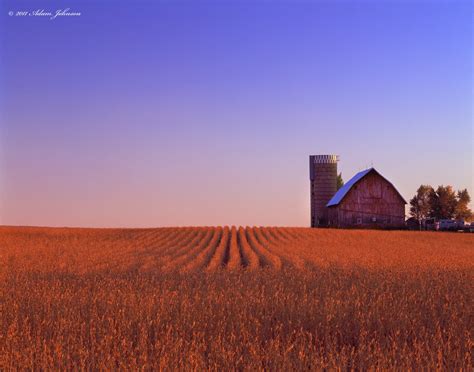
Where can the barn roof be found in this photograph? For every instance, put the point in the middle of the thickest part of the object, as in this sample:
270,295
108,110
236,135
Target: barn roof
342,192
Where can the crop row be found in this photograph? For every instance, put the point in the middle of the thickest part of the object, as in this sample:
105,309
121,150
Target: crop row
228,248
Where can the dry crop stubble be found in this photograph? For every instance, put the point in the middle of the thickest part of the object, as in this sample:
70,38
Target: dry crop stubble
99,299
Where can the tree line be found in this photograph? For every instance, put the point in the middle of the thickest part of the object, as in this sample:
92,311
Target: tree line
442,203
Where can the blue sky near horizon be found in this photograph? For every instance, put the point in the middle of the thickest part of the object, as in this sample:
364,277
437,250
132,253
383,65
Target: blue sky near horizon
141,113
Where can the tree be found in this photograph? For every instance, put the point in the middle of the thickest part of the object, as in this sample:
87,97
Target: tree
443,202
340,181
420,204
462,210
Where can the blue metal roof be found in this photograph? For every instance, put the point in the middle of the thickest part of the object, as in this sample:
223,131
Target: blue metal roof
341,193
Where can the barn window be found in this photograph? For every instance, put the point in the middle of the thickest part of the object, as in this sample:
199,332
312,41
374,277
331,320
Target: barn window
374,219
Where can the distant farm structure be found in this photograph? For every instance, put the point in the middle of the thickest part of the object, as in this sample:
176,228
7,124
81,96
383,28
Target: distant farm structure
323,178
367,200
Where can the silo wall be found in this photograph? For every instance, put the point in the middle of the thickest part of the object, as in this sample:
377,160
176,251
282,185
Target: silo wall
323,178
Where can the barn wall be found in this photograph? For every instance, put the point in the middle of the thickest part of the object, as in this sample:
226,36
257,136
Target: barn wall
371,202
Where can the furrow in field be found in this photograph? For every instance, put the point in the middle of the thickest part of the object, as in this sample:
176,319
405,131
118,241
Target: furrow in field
112,252
191,240
285,247
306,235
182,236
174,235
266,257
234,260
267,242
270,238
204,233
169,243
154,258
284,238
136,250
157,240
250,258
182,245
201,258
310,248
152,240
145,254
219,257
172,241
191,250
281,235
292,233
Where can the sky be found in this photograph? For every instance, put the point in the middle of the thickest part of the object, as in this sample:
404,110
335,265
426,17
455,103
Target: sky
169,113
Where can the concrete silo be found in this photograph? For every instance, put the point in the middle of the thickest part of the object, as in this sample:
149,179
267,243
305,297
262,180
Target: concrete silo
323,177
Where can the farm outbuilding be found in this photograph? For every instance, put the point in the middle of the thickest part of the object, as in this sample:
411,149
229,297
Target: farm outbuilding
367,200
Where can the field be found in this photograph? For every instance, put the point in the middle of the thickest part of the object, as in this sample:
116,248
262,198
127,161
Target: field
221,298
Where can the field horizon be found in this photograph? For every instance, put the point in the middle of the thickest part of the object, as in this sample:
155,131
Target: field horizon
234,298
172,248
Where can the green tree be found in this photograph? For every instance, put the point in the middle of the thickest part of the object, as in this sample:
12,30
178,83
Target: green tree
462,210
420,204
443,202
340,181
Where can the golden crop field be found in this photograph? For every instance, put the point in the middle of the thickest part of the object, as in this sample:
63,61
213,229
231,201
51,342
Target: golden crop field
247,298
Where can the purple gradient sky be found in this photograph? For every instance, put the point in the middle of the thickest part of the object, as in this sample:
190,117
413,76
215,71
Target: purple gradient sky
164,113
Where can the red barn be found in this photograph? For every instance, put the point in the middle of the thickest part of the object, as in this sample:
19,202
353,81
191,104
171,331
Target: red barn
367,200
